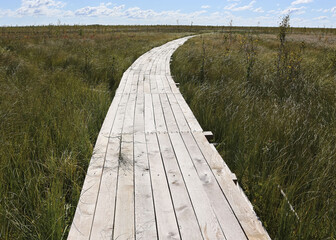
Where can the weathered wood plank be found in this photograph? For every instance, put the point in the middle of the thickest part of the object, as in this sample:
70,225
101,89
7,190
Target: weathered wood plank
123,81
144,203
242,209
207,219
160,123
166,85
144,207
188,114
120,115
149,114
221,207
82,222
104,215
124,213
124,227
185,214
153,84
128,126
179,116
129,81
168,114
164,210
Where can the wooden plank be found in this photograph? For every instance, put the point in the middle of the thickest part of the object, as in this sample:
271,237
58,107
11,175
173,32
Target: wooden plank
120,115
149,114
168,114
241,207
124,227
164,211
141,83
82,222
146,84
135,82
207,219
150,62
156,65
124,214
209,135
160,123
179,116
222,208
153,84
123,81
104,215
172,84
129,81
187,221
161,64
129,115
159,82
166,62
144,206
139,117
188,114
166,85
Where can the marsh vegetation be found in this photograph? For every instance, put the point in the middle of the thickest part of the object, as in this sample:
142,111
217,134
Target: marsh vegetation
56,84
270,103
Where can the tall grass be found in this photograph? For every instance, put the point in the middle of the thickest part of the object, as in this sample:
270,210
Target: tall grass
56,84
271,102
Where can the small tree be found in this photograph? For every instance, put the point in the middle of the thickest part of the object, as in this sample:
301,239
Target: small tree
283,29
282,52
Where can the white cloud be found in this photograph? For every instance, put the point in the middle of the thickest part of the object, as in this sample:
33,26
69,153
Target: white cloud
323,10
333,10
205,6
321,18
99,11
296,2
138,13
233,7
258,10
293,10
39,7
6,13
246,7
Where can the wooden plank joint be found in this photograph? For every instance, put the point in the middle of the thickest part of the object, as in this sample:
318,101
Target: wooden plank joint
209,135
234,178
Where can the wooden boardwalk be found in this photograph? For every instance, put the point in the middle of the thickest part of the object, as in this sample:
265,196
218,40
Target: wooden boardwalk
153,174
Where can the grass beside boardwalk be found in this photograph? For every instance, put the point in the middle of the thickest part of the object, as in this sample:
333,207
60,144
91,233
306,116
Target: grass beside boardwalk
271,104
56,84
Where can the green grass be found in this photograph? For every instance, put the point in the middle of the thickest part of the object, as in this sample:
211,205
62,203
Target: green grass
56,84
272,108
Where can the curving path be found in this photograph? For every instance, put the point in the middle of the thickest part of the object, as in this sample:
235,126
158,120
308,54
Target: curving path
153,174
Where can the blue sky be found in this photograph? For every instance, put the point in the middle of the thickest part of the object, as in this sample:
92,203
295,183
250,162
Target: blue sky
304,13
